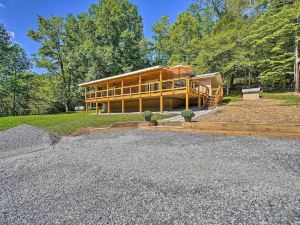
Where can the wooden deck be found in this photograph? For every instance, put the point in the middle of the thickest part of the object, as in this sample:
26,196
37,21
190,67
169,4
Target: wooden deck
182,88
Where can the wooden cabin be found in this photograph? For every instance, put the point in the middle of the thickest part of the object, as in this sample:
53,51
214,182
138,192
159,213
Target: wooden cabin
157,88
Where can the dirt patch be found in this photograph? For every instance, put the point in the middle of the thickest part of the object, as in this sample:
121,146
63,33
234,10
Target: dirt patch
257,111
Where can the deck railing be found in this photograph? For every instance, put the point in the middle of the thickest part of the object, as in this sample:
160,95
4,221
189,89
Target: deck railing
149,89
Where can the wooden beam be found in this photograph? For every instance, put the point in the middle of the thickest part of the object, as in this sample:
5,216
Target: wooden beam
140,90
108,102
173,87
123,106
199,98
141,105
187,93
160,81
161,100
97,107
108,107
122,95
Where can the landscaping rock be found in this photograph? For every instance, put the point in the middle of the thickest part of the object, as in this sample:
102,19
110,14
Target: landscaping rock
24,138
142,177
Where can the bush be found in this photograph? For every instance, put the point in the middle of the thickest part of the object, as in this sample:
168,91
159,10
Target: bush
188,113
147,114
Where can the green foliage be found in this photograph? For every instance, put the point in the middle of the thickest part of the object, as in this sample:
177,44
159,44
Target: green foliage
188,113
67,123
112,39
272,42
147,114
252,43
15,80
161,37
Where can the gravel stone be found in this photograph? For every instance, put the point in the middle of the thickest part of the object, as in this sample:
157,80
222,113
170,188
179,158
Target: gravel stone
24,139
145,177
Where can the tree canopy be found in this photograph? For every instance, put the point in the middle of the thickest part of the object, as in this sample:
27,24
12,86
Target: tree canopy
252,43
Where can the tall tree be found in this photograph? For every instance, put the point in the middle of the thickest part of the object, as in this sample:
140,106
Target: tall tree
14,77
185,34
50,34
161,38
115,42
273,42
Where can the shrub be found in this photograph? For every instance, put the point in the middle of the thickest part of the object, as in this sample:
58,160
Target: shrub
188,113
147,114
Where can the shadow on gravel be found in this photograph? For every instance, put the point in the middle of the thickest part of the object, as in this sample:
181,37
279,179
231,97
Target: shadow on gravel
24,139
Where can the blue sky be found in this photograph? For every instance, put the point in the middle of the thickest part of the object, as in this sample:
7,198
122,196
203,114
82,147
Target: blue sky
21,15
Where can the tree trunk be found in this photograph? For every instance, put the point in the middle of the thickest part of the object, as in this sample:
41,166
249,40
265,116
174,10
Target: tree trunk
297,78
229,83
249,81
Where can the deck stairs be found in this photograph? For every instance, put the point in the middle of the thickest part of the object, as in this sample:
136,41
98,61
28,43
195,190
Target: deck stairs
213,101
210,102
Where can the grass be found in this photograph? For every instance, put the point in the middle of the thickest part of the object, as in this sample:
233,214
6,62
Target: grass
231,98
289,98
67,123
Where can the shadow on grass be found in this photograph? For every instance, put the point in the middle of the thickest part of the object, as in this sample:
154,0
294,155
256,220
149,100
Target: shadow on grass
226,101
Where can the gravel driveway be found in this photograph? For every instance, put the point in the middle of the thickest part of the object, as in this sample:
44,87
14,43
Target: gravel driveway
144,177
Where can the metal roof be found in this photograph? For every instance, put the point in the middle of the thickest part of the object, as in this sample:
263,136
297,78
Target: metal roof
207,75
251,90
189,69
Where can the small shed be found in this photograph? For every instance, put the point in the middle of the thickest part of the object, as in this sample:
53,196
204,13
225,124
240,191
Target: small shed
251,93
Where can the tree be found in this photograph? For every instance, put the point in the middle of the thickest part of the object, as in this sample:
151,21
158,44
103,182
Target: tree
185,34
113,40
273,43
14,76
161,37
50,34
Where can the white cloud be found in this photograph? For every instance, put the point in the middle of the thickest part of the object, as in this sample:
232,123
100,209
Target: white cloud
12,34
2,6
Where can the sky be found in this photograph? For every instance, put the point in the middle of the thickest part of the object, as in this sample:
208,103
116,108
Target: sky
19,16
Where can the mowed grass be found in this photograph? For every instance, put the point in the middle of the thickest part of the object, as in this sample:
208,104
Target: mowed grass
67,123
289,98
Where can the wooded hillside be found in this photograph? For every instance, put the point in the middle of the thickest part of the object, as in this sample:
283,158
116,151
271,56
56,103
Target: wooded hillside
251,42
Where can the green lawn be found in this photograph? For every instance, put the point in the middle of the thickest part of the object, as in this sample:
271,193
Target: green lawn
67,123
231,98
289,98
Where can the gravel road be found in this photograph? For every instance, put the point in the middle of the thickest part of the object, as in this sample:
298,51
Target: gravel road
144,177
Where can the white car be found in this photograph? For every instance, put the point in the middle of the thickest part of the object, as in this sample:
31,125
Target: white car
79,108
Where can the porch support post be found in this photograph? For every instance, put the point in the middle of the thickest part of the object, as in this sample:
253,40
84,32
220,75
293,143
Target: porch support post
187,93
122,93
199,98
108,102
97,106
140,90
161,100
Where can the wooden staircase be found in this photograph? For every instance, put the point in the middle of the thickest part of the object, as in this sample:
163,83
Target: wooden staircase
214,100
